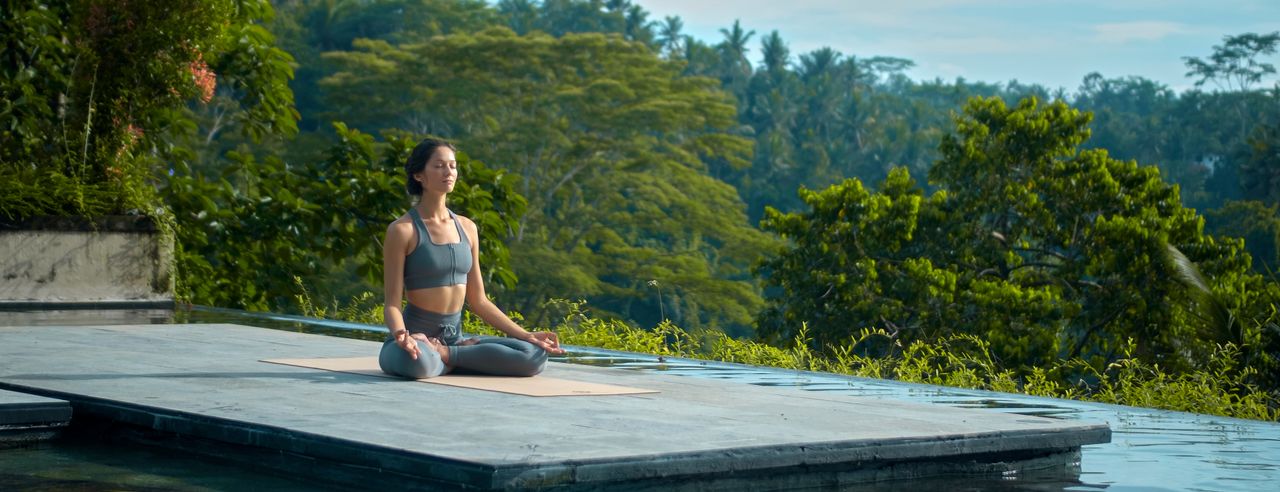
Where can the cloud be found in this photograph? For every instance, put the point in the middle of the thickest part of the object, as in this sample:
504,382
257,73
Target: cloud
944,71
980,45
1125,32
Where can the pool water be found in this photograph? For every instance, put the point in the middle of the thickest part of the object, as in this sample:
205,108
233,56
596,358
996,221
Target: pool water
83,463
1150,449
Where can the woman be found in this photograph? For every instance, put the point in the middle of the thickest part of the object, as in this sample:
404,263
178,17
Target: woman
432,256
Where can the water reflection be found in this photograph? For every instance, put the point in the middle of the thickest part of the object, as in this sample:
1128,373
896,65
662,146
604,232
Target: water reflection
84,464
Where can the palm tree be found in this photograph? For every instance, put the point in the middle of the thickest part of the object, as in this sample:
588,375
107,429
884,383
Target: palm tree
733,50
699,59
669,37
817,63
521,15
735,69
639,27
776,54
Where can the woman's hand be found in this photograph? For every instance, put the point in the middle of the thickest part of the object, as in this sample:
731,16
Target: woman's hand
406,342
436,344
549,341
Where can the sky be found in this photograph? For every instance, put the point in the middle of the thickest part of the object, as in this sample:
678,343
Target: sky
1054,43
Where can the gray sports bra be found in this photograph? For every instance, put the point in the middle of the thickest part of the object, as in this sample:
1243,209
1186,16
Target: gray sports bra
436,265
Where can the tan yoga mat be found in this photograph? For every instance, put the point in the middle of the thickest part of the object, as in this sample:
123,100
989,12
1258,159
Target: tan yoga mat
530,386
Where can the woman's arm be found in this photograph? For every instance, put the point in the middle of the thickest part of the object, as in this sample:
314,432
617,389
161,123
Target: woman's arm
394,250
487,310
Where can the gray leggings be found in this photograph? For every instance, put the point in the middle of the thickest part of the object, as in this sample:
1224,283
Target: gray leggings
492,355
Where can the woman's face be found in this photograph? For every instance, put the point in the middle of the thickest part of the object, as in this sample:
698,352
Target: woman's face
441,172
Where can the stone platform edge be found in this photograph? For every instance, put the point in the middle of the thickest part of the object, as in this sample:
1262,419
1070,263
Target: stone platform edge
26,418
279,448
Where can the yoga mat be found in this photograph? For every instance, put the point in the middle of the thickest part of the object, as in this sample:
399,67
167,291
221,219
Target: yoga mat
530,386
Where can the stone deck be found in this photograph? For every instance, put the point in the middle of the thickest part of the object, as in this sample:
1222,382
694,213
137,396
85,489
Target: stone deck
201,387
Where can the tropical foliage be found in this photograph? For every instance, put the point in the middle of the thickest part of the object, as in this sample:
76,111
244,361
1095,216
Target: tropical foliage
1114,242
93,88
248,229
1046,251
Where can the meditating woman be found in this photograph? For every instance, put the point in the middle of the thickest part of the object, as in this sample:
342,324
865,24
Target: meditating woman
432,256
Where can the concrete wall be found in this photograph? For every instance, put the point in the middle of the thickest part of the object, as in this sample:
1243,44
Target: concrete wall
85,266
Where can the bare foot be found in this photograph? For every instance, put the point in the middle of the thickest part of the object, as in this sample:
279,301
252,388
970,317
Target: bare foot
440,348
437,345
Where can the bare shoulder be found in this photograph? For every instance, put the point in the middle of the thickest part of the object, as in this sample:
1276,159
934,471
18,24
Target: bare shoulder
469,225
400,228
465,221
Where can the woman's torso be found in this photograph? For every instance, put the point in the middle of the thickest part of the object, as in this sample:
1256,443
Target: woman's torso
437,263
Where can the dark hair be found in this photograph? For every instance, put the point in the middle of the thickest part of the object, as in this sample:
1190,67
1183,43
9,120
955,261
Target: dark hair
418,161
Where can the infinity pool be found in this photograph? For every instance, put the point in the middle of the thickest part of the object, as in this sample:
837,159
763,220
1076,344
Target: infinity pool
1150,449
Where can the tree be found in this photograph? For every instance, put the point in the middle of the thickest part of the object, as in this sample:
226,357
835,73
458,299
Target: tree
818,63
1198,139
1259,165
735,69
1234,67
611,146
92,89
248,229
699,58
776,55
521,15
670,39
638,26
1234,64
1046,250
1128,115
1257,223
